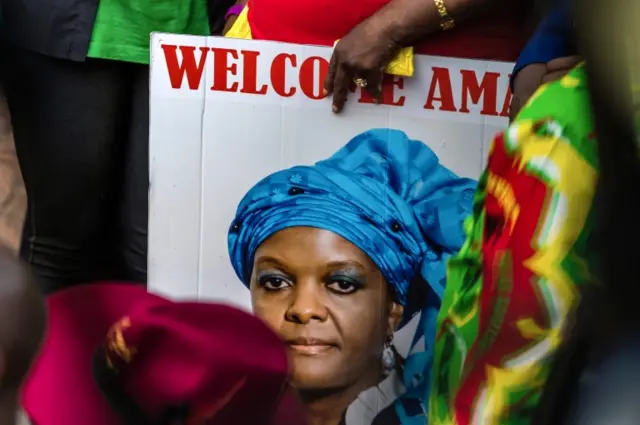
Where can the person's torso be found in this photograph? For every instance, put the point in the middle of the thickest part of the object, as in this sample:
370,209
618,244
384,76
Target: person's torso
498,36
64,28
123,27
57,28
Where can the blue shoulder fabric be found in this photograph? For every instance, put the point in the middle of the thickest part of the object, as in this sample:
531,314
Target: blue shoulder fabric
552,39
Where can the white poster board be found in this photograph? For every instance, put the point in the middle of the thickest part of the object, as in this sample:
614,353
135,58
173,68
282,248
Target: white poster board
225,113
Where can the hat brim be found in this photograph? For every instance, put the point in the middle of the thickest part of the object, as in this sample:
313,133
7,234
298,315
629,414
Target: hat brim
60,389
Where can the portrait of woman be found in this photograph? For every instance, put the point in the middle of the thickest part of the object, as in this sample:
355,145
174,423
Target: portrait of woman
341,254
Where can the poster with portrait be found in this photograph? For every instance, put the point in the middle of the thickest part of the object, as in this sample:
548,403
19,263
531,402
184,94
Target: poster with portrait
320,223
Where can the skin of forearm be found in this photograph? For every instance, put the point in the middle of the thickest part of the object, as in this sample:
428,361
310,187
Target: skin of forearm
408,21
13,199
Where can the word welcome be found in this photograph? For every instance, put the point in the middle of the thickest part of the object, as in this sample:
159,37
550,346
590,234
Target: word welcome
312,70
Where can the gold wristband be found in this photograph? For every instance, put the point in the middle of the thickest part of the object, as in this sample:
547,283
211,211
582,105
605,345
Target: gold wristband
446,21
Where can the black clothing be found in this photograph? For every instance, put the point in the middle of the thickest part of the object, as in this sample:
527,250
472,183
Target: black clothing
81,132
62,28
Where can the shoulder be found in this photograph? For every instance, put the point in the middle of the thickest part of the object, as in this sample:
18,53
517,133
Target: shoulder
566,100
558,116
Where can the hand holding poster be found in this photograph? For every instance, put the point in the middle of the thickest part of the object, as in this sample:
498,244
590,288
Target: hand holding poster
226,113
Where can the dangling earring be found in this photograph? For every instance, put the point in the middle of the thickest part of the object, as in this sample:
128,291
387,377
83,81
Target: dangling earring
388,355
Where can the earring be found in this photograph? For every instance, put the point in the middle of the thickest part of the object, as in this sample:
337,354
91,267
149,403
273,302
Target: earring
388,354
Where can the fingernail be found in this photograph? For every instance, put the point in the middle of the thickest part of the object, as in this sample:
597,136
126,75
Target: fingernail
325,92
335,109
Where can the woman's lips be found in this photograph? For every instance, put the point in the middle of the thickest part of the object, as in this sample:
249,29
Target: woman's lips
310,346
310,350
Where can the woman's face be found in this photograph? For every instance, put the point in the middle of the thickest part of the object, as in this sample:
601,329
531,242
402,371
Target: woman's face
328,301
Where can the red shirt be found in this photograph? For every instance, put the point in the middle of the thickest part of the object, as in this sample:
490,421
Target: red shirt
499,36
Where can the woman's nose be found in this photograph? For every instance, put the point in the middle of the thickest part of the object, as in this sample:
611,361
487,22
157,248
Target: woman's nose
307,304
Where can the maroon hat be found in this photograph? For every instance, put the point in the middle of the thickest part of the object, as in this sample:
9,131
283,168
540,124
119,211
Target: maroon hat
155,360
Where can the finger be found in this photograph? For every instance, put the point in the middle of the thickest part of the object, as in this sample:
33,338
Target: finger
331,75
559,64
374,85
341,84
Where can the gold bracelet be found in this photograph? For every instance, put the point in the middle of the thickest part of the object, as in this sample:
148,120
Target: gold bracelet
446,21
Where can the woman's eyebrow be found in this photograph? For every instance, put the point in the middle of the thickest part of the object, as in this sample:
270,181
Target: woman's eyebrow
351,264
262,260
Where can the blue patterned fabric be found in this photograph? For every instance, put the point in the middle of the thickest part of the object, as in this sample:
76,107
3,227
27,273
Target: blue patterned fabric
383,192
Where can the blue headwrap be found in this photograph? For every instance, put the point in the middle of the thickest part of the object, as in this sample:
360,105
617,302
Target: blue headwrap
389,196
383,192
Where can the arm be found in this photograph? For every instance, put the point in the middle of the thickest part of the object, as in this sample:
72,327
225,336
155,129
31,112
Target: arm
408,21
232,19
551,40
364,52
217,10
13,198
548,55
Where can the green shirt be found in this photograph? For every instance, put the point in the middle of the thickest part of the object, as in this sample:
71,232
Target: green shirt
123,27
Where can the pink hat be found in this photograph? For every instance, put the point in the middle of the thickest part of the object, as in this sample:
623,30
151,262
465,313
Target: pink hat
60,388
158,354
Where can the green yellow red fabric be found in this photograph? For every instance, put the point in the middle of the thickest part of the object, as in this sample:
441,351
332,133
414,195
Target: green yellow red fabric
512,287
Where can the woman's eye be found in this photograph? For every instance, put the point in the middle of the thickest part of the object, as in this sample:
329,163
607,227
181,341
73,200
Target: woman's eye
273,283
344,286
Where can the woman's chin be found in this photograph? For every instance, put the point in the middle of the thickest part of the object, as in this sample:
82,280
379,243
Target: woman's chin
314,360
310,375
313,387
328,371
